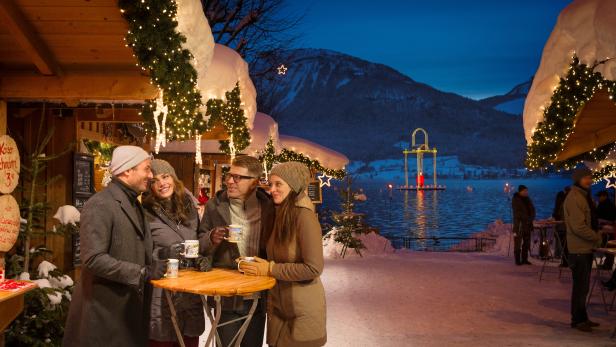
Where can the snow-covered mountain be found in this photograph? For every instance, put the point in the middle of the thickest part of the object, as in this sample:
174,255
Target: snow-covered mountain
512,102
364,109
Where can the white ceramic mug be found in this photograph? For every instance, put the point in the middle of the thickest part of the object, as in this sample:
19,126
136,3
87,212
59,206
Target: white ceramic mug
191,249
244,259
173,266
235,233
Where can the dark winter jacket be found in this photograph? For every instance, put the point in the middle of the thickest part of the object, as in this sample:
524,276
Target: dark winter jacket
189,307
558,213
523,213
110,307
218,214
606,211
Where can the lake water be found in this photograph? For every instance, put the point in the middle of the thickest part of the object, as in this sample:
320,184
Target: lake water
455,212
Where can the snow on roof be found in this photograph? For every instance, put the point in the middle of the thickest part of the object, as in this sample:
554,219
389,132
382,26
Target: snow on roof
199,39
327,157
264,128
586,28
226,69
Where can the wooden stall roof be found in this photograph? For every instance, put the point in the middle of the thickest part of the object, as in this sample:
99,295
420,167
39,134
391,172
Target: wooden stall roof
67,50
595,126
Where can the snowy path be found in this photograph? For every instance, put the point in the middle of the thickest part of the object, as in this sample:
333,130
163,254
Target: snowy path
450,299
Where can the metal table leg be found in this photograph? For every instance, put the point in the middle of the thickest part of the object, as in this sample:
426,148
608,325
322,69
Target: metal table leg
213,335
174,319
215,321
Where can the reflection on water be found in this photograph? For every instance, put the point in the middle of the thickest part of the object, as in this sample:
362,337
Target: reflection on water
457,211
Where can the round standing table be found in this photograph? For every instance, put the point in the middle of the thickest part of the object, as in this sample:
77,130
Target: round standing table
216,283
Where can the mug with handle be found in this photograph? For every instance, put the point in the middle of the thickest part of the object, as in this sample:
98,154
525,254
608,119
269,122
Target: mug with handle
191,249
244,259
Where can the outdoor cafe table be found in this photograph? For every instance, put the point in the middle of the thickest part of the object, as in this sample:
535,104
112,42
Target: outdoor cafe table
12,303
215,283
544,242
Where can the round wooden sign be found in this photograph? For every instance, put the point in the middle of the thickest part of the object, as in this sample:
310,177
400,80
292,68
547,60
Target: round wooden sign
9,222
9,164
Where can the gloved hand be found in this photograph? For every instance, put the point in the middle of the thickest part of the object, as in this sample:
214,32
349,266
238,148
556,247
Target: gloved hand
258,267
155,271
218,234
204,264
172,252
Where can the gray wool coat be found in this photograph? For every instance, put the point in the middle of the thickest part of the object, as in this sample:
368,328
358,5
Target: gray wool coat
189,307
110,305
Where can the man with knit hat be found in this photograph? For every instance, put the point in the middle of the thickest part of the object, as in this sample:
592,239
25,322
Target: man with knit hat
241,203
111,302
582,237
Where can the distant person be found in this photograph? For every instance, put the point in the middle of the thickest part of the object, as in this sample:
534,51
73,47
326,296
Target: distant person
558,215
111,302
523,217
606,210
582,236
606,213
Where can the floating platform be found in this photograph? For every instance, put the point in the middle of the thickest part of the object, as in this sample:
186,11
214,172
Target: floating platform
421,188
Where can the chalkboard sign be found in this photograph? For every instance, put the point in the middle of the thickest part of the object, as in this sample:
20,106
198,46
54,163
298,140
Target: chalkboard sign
315,192
76,251
83,174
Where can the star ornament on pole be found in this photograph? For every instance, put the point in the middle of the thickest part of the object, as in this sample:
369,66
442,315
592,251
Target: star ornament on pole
282,70
611,181
325,180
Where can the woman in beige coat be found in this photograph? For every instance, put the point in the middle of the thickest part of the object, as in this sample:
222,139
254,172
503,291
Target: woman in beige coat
296,305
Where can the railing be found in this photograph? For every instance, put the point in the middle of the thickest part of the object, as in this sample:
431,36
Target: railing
443,244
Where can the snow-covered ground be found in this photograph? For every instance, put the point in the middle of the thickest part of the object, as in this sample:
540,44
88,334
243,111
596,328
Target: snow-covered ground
407,298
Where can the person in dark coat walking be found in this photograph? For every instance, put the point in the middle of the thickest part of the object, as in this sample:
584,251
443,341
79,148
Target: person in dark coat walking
245,204
173,218
111,301
523,217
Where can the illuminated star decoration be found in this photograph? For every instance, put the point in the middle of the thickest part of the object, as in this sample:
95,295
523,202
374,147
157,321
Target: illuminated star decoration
323,177
611,181
282,70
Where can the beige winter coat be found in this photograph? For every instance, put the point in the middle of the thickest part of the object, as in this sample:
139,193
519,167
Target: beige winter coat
581,238
296,308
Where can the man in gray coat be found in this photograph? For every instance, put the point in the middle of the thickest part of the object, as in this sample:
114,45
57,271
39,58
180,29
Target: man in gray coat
245,204
582,237
111,302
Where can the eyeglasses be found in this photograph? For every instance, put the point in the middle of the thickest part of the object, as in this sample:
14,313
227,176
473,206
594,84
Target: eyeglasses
237,178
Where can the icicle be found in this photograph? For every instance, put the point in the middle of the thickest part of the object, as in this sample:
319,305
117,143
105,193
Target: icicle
231,147
161,128
198,159
265,169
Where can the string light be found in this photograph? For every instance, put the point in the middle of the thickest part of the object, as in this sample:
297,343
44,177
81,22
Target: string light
550,136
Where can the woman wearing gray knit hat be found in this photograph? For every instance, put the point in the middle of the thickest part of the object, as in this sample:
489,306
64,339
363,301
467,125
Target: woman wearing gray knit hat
296,310
172,215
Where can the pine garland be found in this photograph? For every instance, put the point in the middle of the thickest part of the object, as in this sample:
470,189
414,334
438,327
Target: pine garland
550,136
157,45
231,116
269,155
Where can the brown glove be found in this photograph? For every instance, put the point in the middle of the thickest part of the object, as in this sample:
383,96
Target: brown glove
259,267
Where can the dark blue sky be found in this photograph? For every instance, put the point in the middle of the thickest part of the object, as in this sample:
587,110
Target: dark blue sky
476,48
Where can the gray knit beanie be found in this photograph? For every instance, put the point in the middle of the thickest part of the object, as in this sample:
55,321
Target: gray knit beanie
296,174
580,173
160,166
126,157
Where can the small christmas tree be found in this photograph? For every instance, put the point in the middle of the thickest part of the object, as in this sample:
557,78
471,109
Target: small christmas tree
349,224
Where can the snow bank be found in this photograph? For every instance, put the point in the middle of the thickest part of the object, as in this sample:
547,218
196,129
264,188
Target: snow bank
496,230
327,157
264,129
586,28
375,245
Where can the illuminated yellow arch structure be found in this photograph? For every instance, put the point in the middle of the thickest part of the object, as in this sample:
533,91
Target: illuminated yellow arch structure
419,150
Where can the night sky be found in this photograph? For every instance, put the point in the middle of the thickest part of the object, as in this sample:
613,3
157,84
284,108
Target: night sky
476,48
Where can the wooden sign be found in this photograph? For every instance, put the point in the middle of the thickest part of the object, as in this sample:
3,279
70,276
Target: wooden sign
9,222
9,164
315,192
